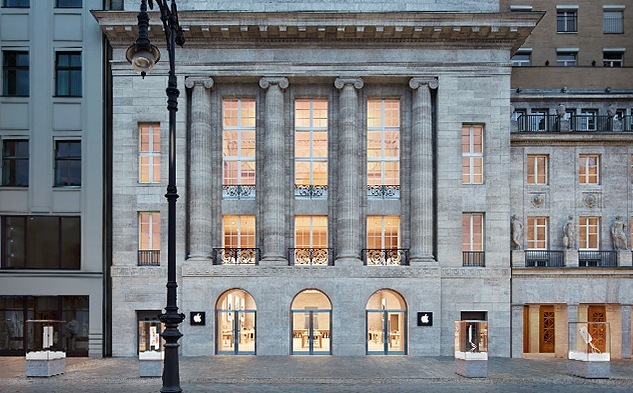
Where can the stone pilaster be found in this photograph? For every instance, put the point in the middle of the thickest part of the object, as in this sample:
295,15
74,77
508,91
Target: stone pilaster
272,180
572,316
422,228
200,174
348,174
626,331
517,331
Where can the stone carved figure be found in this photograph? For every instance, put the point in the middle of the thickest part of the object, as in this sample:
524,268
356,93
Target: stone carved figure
560,111
517,232
618,234
612,110
568,233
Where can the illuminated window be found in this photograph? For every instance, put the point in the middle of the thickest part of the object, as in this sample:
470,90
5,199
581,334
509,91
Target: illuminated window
149,238
383,143
149,153
589,169
589,235
383,232
472,154
311,231
472,232
537,169
239,231
238,145
537,233
311,142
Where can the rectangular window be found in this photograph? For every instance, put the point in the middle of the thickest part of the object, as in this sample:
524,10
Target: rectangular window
589,169
311,231
15,163
472,232
383,232
566,21
68,74
311,143
537,169
383,144
149,238
613,59
589,235
67,163
68,3
17,3
472,154
239,231
149,153
537,233
41,242
15,73
522,59
567,58
238,142
612,22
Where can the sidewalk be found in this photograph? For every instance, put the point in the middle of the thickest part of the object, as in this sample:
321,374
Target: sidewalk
315,374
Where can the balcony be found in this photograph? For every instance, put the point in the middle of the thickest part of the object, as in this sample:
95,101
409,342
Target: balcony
473,258
235,256
310,256
148,257
575,123
383,192
385,257
310,191
544,258
230,191
537,123
597,258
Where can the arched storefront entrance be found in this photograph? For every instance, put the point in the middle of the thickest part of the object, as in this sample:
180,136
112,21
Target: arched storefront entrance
235,323
311,323
386,323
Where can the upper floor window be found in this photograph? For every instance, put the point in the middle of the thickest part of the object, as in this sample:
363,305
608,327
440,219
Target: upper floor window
613,58
566,58
589,233
589,169
537,233
537,169
67,163
68,74
383,232
612,21
41,242
15,73
239,231
310,232
68,3
566,21
149,153
17,3
149,238
472,154
311,143
15,162
523,58
472,232
238,142
383,144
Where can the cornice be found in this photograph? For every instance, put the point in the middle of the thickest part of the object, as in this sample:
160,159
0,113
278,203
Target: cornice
570,139
569,273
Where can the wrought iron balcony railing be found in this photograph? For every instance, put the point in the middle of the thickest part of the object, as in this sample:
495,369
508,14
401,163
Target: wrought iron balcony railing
238,191
148,257
544,258
575,123
591,123
597,258
310,256
538,123
384,192
236,256
385,256
310,191
473,258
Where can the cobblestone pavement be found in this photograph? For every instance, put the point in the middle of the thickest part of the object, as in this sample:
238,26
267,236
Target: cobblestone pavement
326,374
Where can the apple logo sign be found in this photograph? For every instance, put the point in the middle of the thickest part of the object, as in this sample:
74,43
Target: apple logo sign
197,318
425,319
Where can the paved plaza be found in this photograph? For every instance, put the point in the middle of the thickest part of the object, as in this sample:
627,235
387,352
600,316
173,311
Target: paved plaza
316,374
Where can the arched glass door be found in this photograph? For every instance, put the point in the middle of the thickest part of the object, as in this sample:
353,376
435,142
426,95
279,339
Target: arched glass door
235,323
311,323
386,324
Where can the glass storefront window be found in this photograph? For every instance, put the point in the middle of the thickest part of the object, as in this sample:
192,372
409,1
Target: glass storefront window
235,321
311,323
386,324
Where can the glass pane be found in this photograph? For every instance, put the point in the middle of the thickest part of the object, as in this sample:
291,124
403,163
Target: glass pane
70,243
42,235
15,242
319,144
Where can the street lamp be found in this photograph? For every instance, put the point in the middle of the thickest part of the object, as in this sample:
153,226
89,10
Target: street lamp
143,55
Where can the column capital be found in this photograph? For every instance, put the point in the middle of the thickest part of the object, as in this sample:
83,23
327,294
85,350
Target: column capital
192,81
416,82
340,83
266,82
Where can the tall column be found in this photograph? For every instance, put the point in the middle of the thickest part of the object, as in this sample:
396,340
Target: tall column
348,221
273,180
200,175
422,228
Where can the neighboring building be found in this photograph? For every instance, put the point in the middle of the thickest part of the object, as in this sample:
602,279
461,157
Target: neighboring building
52,192
572,171
332,157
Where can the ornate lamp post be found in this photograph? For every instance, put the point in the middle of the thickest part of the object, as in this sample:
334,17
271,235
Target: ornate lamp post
143,55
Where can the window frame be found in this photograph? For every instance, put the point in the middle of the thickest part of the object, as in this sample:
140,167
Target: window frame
589,226
566,20
383,160
9,162
20,71
468,171
70,4
245,233
534,169
524,62
585,167
151,155
68,160
315,222
312,160
383,234
537,226
469,236
617,60
18,4
570,61
240,129
149,240
612,20
73,86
